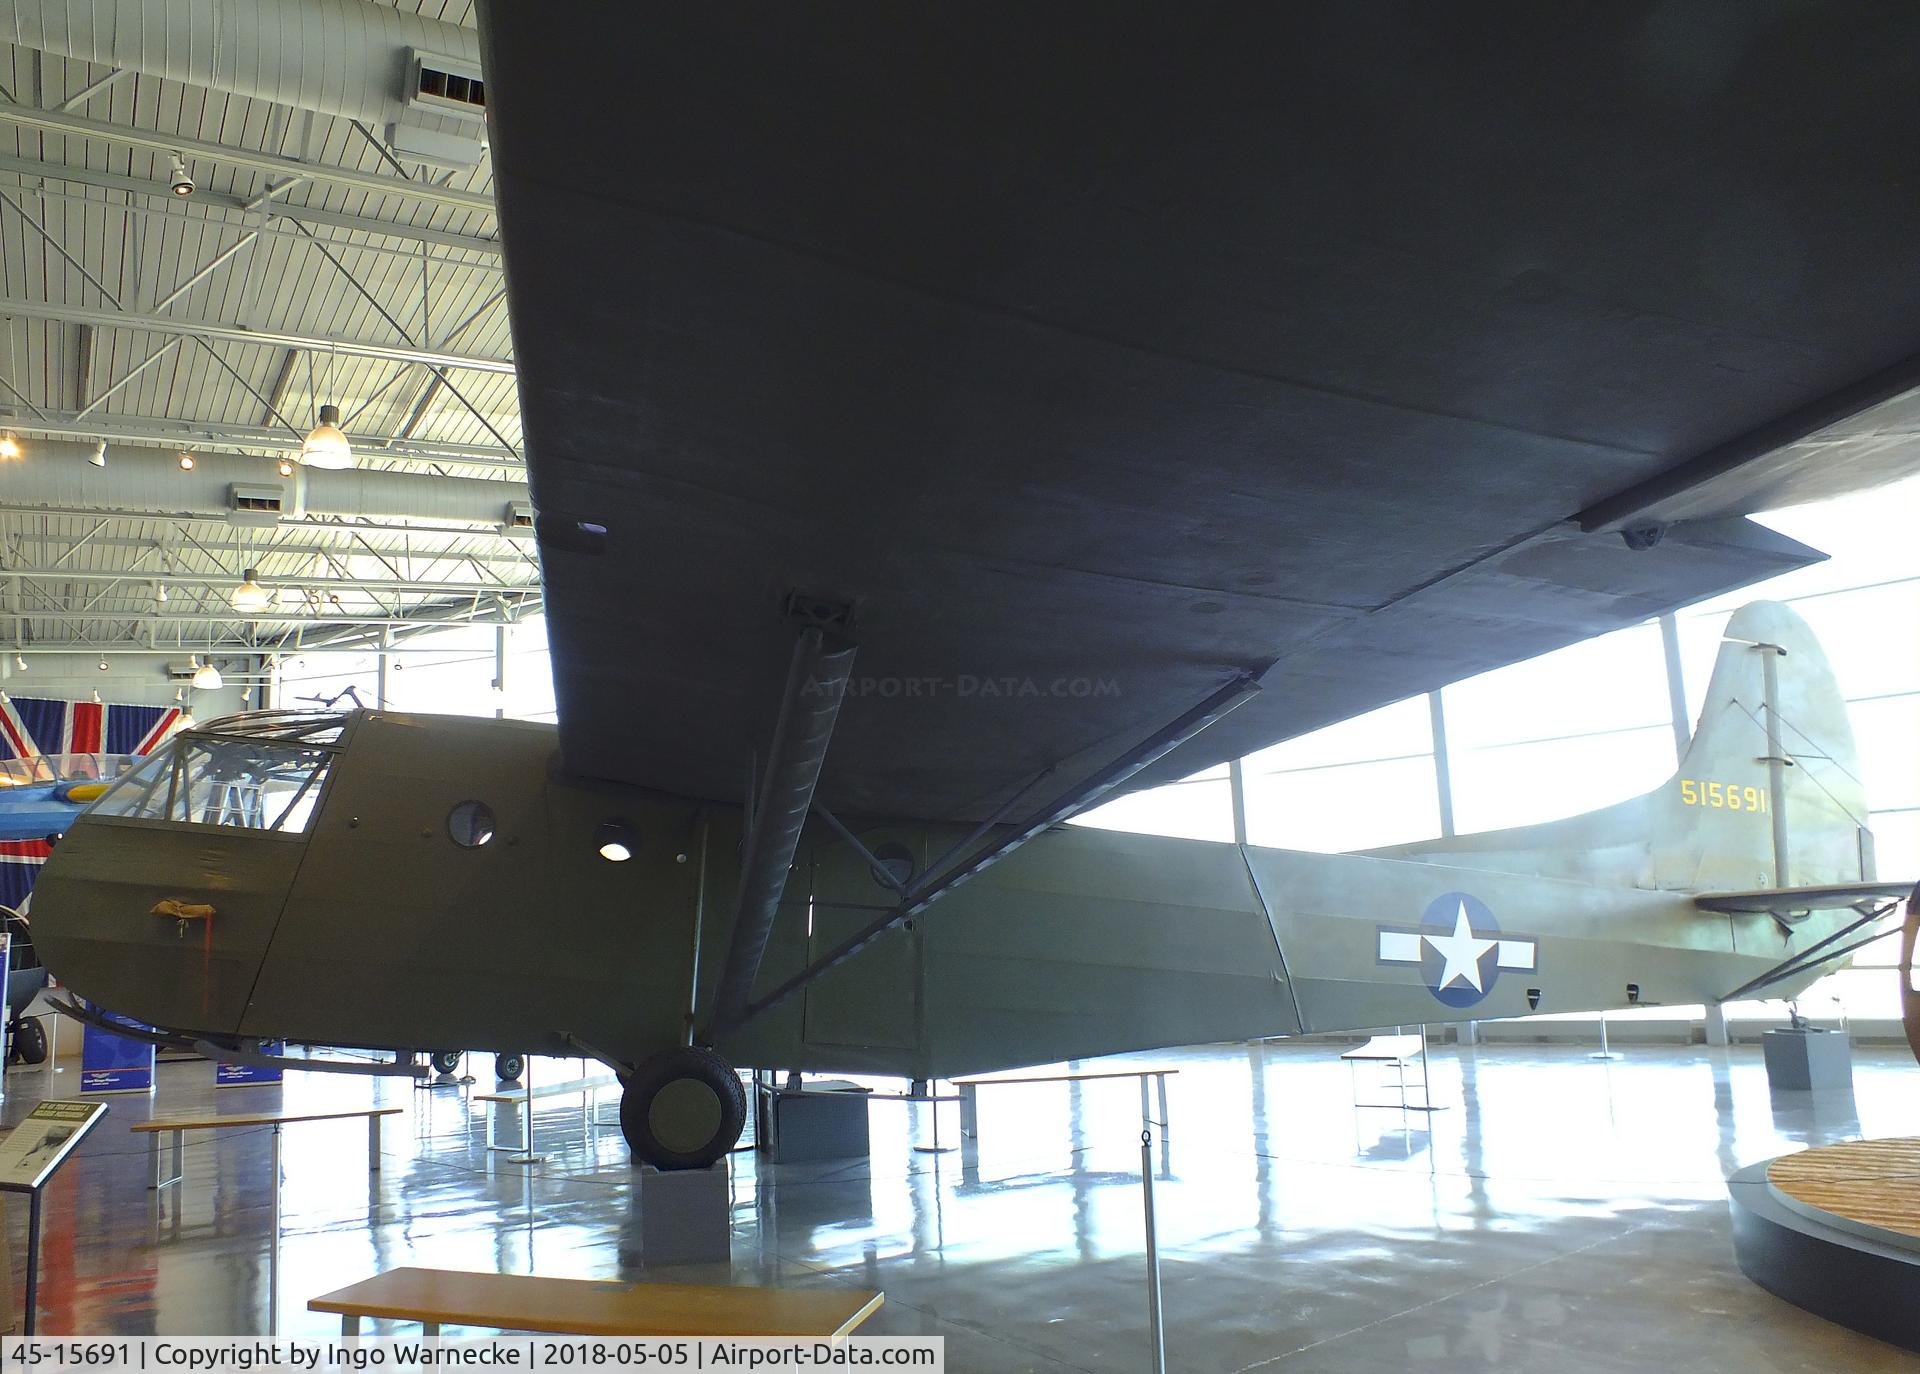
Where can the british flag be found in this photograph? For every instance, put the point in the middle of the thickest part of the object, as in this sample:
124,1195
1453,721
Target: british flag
41,725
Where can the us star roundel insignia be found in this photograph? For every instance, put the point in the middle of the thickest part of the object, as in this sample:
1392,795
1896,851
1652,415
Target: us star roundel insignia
1459,948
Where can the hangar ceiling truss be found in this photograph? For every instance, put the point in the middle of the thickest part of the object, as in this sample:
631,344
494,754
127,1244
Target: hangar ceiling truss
313,263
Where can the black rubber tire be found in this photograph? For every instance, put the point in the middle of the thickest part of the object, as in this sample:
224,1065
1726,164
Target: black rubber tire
699,1086
444,1061
508,1067
29,1039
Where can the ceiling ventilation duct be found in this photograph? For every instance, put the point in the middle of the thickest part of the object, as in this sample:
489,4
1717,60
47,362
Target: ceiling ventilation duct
55,476
417,79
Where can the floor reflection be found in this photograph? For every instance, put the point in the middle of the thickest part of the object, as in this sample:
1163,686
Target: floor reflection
1556,1212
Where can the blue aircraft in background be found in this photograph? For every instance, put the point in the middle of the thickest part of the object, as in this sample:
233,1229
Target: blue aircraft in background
40,796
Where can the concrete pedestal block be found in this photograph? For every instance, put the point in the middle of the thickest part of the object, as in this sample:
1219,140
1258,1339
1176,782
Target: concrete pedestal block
685,1215
1812,1058
826,1120
1717,1025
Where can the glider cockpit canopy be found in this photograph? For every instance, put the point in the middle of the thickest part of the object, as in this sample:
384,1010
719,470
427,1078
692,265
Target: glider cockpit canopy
262,771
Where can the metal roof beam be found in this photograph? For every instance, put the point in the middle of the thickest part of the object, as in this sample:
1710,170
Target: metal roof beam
420,586
168,204
486,532
27,536
231,438
234,333
128,648
272,164
487,617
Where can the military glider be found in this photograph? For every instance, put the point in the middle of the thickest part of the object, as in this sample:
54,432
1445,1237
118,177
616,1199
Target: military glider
943,417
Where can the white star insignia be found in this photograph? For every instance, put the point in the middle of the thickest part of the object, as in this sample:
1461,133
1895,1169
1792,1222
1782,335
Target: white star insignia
1462,951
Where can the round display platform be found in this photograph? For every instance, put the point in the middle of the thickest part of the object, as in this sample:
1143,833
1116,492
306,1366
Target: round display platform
1868,1187
1836,1230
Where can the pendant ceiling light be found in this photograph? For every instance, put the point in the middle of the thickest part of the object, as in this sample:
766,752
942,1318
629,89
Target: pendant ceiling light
325,446
250,595
206,676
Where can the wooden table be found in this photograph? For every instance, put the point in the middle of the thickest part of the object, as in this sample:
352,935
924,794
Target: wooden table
1398,1051
181,1125
588,1087
586,1307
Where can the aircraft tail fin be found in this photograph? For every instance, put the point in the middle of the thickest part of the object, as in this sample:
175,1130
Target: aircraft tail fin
1711,826
1769,793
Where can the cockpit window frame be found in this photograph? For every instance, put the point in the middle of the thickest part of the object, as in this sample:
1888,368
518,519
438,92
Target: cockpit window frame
309,732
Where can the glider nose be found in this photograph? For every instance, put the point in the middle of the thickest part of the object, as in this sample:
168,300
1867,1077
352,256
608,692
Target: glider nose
161,898
162,925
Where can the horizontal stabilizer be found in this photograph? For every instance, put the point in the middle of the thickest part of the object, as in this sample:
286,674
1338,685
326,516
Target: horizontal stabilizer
1831,897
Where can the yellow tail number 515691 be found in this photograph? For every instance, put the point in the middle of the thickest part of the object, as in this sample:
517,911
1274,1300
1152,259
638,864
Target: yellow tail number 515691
1725,796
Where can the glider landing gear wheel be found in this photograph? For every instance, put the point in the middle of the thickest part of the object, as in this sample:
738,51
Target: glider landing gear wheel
29,1039
508,1067
683,1109
444,1061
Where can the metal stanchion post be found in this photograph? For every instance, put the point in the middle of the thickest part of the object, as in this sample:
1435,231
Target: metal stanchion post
1603,1052
933,1105
1156,1333
33,1262
526,1155
273,1252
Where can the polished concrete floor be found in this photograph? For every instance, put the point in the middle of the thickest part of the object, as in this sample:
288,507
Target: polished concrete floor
1560,1214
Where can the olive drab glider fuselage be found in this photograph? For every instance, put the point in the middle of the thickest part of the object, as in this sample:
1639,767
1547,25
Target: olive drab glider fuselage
386,880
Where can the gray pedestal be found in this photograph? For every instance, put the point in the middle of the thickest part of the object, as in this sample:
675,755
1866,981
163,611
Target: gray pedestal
825,1120
1813,1058
685,1215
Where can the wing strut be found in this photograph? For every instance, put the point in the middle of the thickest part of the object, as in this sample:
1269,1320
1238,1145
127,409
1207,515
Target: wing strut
816,685
1815,954
1160,743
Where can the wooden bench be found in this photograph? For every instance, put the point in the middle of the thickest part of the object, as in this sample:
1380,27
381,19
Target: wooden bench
588,1307
181,1125
969,1091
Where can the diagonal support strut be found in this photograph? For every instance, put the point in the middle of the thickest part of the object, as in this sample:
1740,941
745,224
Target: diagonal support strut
809,707
1076,799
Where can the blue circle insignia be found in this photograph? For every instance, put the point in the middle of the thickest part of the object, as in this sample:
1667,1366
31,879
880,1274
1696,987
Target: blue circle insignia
1459,949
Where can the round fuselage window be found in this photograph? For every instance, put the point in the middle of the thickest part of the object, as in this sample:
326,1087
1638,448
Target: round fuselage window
470,824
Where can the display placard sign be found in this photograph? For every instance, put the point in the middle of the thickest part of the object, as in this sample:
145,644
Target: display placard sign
112,1063
230,1075
39,1144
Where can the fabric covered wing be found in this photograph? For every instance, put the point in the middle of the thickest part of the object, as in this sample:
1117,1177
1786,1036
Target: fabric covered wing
1096,353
